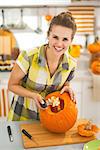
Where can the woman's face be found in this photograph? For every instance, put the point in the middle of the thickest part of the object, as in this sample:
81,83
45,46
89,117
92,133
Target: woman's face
59,39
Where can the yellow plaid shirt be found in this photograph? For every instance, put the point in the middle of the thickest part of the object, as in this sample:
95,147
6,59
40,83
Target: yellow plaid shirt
37,78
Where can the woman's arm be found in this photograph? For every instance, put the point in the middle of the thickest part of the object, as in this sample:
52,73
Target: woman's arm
67,88
14,85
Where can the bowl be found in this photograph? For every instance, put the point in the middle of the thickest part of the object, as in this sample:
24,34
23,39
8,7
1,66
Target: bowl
92,145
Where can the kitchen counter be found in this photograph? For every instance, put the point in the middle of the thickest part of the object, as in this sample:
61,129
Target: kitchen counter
17,144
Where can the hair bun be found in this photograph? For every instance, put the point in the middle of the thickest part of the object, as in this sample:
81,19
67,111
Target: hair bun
69,13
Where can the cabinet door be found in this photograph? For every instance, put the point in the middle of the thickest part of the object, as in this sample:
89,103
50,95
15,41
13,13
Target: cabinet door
76,86
78,104
90,107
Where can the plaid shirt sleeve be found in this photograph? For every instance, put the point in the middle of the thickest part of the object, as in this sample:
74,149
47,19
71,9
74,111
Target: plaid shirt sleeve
23,61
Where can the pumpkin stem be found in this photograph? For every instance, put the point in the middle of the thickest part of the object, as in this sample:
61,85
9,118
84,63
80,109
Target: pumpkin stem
88,126
96,39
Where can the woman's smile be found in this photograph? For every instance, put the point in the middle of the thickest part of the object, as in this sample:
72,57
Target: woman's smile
58,49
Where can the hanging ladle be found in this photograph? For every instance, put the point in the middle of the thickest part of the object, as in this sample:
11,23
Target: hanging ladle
38,30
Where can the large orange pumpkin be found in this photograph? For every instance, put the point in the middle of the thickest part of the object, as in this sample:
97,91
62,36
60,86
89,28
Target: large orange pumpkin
95,67
60,118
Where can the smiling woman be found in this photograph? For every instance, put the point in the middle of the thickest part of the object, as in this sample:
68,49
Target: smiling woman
43,70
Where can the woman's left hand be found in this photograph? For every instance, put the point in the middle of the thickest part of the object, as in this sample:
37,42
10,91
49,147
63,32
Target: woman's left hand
70,91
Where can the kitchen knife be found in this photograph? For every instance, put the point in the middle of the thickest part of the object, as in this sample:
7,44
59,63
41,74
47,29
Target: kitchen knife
44,103
28,135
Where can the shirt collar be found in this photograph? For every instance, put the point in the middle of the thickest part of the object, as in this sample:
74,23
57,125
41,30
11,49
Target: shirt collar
64,63
41,56
42,60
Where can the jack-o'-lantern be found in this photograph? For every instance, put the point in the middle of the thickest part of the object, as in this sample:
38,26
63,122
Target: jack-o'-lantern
61,114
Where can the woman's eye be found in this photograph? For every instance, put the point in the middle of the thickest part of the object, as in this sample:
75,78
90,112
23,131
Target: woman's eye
55,37
65,39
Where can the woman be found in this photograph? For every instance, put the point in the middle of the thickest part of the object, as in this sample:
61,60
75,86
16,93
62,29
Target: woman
43,70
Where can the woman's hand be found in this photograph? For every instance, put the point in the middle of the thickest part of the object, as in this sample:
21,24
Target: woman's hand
38,100
67,88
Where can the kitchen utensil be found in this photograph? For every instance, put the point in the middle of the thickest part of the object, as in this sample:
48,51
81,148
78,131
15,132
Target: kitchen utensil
45,103
10,134
46,138
92,145
28,135
38,30
21,24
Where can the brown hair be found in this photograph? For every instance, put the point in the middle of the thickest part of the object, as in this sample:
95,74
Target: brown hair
64,19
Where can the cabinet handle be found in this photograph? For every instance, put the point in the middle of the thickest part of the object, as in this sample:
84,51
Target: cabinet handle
90,87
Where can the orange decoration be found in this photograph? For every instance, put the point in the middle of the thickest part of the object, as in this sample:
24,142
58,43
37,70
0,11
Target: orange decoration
95,67
8,43
59,118
94,47
87,129
75,50
48,17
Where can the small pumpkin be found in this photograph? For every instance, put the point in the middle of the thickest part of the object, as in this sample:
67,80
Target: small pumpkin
94,47
74,50
48,17
87,129
95,67
61,115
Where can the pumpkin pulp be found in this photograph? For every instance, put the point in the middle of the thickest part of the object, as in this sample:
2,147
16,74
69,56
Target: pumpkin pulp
58,108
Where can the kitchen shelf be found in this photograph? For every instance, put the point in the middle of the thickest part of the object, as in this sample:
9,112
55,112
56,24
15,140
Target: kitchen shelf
50,4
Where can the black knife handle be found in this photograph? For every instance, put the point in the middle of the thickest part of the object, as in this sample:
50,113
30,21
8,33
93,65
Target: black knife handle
44,105
27,134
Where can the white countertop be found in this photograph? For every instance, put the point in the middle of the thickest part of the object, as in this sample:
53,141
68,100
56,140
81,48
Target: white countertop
17,144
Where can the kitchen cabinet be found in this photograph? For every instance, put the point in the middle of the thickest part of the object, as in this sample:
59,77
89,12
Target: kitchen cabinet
87,98
90,107
77,88
82,87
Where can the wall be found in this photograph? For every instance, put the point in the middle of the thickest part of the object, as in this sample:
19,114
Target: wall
30,19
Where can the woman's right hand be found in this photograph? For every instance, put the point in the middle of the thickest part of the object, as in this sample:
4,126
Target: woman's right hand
38,100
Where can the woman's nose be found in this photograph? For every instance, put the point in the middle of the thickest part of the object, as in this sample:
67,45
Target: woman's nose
59,43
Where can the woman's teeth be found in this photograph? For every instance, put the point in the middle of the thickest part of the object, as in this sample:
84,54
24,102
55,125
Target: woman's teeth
58,49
